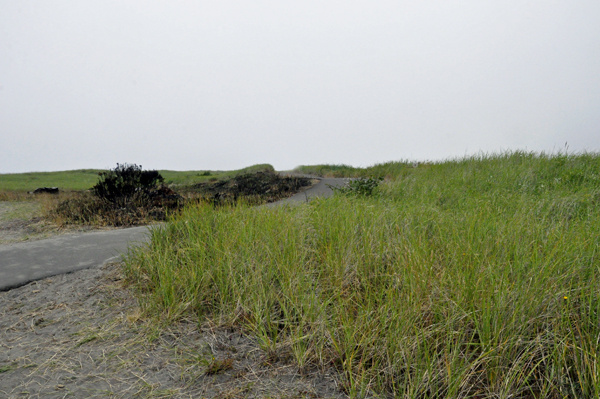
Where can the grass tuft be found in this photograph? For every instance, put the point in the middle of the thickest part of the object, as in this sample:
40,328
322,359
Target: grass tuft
219,366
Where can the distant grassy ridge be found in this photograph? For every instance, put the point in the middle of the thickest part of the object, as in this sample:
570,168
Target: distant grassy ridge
199,176
477,277
83,179
74,180
329,170
387,169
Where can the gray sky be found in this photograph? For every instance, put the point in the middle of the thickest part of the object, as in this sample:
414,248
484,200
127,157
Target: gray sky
226,84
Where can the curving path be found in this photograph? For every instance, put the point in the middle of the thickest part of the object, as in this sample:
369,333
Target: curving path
22,263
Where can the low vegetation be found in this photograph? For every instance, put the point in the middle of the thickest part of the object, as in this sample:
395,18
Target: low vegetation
471,278
129,195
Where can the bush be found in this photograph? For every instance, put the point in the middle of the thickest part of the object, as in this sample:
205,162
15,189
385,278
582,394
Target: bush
124,196
126,184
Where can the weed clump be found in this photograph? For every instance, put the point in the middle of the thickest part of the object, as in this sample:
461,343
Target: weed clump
362,186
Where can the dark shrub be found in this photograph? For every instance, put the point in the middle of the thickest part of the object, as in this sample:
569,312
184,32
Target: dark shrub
124,196
126,184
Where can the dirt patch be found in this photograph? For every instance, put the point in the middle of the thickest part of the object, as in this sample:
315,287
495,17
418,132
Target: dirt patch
22,221
22,230
80,335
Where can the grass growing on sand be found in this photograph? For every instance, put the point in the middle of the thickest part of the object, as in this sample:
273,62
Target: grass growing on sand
476,278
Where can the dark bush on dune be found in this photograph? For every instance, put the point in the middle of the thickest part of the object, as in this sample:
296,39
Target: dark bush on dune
126,184
128,195
124,196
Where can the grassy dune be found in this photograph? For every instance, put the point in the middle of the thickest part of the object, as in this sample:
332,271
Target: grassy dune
387,169
194,176
83,179
471,278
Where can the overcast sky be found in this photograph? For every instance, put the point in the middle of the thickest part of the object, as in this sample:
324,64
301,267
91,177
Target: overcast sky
193,85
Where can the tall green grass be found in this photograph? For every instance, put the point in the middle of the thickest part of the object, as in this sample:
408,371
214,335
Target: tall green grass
476,278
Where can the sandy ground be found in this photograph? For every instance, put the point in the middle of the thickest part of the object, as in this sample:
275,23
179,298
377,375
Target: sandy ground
80,335
21,221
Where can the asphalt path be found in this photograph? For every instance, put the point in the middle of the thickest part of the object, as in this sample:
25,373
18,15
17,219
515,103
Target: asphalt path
321,189
22,263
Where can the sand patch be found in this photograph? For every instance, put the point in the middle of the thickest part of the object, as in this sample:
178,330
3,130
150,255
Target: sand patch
80,335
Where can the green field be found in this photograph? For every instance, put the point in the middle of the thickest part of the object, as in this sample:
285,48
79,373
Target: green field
469,278
70,180
84,179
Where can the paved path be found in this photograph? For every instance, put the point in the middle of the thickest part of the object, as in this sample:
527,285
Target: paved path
321,189
22,263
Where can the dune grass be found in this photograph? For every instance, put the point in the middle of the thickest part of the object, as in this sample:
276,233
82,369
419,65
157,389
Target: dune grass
472,278
84,179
